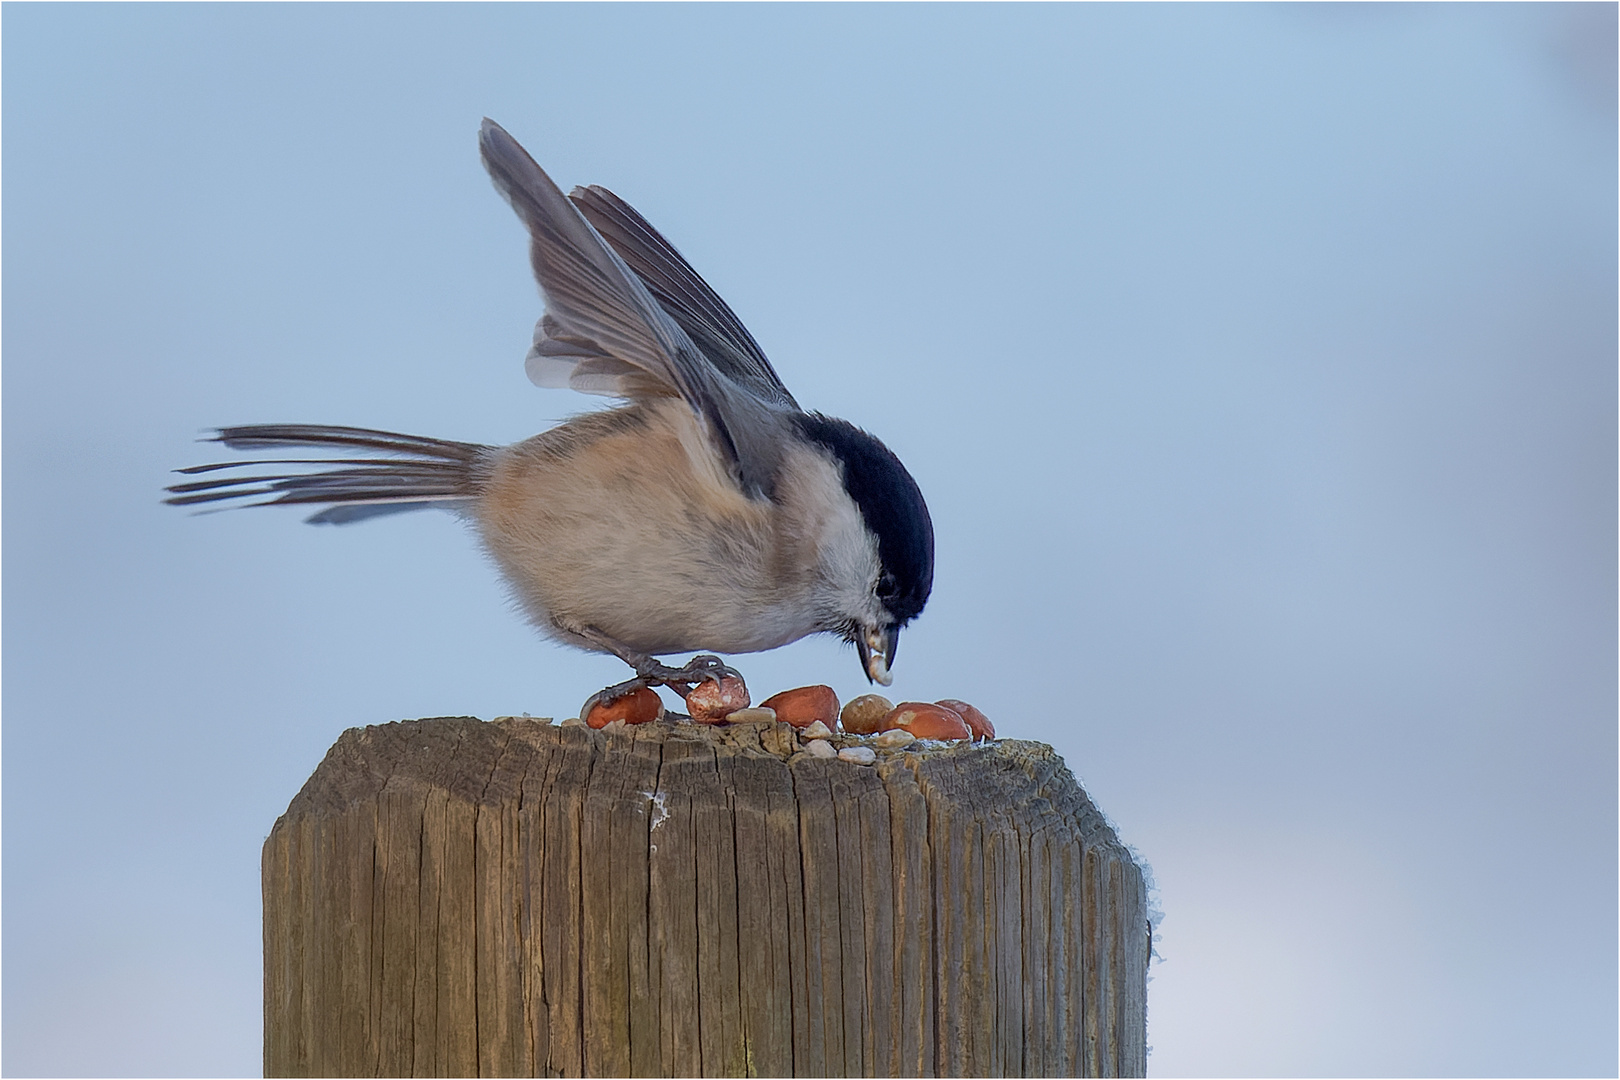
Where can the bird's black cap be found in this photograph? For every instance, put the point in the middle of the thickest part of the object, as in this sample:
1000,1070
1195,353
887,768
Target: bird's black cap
893,507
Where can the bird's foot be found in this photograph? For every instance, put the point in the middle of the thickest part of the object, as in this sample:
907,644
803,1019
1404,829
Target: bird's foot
650,673
609,695
700,669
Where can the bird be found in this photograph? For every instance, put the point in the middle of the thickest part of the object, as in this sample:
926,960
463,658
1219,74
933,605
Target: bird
705,512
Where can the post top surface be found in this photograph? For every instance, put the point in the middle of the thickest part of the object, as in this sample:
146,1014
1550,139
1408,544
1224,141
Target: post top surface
1023,784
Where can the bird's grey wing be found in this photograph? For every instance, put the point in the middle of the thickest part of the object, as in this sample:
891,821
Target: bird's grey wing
678,288
604,333
599,318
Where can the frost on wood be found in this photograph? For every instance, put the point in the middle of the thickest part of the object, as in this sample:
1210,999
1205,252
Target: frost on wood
453,897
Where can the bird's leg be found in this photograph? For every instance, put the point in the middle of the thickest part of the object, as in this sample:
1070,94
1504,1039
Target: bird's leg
649,672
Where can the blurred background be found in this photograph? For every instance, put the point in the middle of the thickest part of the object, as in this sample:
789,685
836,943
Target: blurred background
1258,364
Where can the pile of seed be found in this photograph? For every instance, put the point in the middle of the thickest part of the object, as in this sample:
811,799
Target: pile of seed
803,722
813,709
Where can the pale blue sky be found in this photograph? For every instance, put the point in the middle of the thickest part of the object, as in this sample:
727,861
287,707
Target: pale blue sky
1258,364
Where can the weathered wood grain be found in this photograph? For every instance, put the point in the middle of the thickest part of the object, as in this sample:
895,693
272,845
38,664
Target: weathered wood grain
456,898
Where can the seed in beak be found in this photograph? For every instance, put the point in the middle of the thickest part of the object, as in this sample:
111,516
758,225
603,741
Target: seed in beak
878,669
876,648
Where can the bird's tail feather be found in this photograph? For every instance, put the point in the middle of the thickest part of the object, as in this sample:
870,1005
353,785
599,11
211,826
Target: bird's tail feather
409,472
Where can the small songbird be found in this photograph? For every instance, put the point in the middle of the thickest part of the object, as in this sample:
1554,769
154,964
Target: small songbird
709,512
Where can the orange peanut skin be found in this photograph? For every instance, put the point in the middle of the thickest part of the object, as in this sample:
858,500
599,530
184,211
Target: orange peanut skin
805,705
865,715
641,707
926,721
710,702
978,723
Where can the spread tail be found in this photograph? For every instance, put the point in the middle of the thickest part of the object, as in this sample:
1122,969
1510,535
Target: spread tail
404,472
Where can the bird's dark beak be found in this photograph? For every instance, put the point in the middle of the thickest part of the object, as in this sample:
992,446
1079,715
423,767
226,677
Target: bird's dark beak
877,648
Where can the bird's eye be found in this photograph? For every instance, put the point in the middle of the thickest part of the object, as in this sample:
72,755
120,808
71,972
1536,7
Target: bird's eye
887,587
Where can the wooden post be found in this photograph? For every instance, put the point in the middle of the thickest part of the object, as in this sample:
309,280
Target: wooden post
458,898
